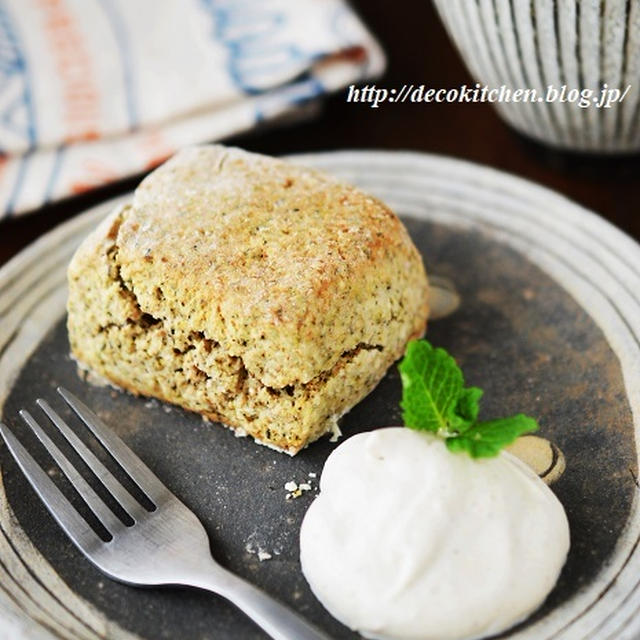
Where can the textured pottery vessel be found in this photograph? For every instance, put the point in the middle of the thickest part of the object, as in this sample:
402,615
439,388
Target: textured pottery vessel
578,44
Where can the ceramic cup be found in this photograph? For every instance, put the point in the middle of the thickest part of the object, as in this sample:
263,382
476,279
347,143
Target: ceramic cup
587,51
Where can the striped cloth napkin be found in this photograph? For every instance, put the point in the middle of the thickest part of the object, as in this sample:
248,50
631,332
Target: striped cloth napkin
96,90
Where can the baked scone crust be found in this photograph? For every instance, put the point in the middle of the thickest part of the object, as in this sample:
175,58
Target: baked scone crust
259,293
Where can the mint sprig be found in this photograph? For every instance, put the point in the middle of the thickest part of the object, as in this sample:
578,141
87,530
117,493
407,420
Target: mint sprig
435,399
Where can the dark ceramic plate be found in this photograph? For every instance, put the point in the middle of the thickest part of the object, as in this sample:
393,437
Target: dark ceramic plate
546,326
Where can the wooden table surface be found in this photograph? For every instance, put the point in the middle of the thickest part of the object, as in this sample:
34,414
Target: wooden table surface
419,52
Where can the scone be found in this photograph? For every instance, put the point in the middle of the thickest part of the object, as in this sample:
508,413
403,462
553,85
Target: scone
258,293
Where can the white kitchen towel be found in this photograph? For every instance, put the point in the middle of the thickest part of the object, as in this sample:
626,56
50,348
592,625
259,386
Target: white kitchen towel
96,90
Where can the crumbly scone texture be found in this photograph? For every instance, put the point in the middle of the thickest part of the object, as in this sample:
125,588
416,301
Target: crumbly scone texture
258,293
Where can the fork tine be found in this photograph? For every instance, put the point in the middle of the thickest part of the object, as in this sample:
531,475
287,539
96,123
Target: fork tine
65,514
109,481
108,519
129,461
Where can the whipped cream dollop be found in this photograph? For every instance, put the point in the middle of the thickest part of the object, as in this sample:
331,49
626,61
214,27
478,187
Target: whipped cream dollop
407,540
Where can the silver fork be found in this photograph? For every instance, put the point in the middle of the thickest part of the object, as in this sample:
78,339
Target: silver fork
165,546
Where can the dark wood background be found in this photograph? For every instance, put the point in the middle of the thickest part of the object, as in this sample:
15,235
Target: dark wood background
418,51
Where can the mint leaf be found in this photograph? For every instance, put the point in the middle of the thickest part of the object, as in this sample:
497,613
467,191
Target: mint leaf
467,409
486,439
432,383
434,399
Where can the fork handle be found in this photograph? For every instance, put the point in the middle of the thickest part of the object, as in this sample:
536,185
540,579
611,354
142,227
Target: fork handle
280,622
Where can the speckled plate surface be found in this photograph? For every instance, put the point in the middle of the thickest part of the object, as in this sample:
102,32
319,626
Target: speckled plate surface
548,325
